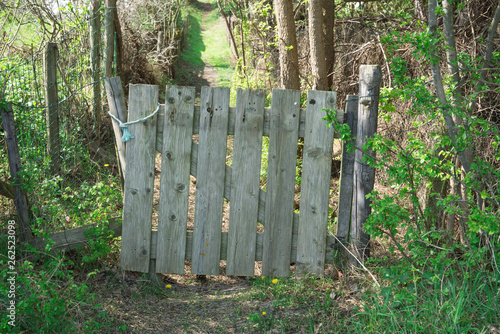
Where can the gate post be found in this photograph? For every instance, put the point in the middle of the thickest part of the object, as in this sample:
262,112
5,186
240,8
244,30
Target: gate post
347,172
370,77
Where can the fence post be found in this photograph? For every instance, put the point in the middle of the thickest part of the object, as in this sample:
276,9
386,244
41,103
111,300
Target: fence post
109,28
20,198
51,102
347,171
117,107
95,61
370,77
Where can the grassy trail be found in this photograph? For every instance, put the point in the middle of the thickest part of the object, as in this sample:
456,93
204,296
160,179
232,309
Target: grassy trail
205,60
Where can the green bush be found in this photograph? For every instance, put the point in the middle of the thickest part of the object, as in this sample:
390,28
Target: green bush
49,297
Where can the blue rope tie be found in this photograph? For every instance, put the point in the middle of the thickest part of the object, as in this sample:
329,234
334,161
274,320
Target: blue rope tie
126,133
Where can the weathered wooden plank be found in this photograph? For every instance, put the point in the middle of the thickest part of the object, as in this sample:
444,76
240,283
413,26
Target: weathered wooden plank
138,192
280,182
267,121
227,186
228,170
245,178
14,158
174,183
210,180
315,186
347,171
117,107
370,77
259,244
76,237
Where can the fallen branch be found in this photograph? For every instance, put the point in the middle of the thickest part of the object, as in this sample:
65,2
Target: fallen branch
75,238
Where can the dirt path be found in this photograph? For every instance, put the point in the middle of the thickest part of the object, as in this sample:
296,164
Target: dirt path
205,52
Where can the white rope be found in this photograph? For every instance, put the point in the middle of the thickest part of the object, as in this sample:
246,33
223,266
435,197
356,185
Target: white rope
126,133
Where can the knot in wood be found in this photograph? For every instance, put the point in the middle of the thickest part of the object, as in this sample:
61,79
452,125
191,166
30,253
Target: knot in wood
314,152
366,101
171,100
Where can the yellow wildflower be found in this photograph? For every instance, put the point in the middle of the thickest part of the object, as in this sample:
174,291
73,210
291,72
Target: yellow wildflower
168,286
274,281
264,313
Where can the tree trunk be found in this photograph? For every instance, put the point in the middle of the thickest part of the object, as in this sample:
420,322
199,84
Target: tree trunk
438,83
440,187
289,60
329,31
490,43
117,36
370,77
317,45
109,27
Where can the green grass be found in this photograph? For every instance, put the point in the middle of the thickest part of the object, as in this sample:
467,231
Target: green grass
217,53
314,304
434,305
207,46
192,54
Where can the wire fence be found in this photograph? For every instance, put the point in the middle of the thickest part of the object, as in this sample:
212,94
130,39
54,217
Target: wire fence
65,140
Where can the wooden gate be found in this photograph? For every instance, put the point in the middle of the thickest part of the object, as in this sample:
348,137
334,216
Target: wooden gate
287,237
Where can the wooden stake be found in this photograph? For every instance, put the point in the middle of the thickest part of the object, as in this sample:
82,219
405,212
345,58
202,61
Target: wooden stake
364,176
347,172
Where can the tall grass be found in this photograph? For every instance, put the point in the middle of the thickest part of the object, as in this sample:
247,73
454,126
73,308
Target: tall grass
434,304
